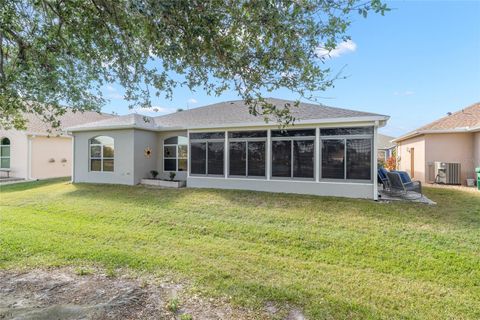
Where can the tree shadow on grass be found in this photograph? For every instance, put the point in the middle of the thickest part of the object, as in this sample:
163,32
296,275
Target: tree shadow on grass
29,185
455,208
123,194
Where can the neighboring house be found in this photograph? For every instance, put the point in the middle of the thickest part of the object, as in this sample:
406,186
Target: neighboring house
385,146
329,151
454,138
40,152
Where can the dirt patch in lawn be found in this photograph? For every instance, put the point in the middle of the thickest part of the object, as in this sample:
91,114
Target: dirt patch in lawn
66,294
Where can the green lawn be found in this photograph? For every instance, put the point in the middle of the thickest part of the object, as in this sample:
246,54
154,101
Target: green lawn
334,258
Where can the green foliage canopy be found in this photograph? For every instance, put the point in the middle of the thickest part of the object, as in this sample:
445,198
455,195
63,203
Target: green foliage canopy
61,52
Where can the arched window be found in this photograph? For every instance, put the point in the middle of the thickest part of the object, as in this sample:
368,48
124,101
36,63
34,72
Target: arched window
102,153
5,153
175,154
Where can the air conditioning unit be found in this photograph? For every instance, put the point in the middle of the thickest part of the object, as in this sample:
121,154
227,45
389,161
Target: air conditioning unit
447,173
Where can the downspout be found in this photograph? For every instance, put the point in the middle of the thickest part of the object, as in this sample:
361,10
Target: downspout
375,161
73,159
188,156
317,155
269,154
29,157
226,157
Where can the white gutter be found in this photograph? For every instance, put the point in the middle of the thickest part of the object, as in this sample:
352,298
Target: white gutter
382,121
420,132
375,161
29,156
73,160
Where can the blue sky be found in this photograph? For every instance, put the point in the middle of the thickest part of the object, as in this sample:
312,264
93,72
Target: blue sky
415,64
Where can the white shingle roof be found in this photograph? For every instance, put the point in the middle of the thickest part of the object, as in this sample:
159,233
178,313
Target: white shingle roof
36,125
224,114
133,120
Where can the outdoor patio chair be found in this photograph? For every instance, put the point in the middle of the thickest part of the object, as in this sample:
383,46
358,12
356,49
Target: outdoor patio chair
382,178
401,184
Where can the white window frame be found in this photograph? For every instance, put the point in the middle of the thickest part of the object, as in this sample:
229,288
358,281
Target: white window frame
292,139
9,157
207,141
177,157
345,138
247,140
101,158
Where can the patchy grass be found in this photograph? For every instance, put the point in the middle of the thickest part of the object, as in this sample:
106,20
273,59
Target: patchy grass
334,258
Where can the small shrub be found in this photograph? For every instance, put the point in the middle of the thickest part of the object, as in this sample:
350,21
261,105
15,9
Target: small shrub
83,271
381,163
154,173
391,163
172,176
111,273
186,316
173,305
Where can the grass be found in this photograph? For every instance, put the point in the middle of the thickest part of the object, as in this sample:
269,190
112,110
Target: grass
334,258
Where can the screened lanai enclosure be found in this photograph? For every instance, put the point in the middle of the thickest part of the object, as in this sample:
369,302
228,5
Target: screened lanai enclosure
343,154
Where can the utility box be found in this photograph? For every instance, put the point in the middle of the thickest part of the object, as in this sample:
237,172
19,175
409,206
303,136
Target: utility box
447,173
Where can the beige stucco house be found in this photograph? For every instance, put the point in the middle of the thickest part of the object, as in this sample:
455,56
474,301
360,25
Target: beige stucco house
453,139
329,151
385,146
40,152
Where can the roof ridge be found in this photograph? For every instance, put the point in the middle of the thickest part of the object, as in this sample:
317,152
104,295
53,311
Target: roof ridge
476,104
197,108
270,98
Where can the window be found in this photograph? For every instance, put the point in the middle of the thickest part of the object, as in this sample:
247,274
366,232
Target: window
346,131
359,154
382,155
238,158
281,158
215,157
256,158
247,153
102,153
247,134
293,133
207,153
198,158
207,135
303,157
333,159
175,154
5,153
293,153
348,156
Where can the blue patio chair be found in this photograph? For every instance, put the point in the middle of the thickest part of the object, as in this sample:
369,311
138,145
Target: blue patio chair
382,178
401,184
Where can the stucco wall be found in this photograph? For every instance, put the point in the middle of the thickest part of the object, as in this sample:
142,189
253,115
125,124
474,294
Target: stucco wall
18,153
123,158
181,175
143,164
337,189
45,148
452,147
404,155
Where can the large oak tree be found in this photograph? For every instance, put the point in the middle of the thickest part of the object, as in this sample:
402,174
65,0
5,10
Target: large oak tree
61,52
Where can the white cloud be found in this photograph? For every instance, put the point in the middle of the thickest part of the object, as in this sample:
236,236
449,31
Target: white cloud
156,109
340,49
115,96
404,93
112,93
111,88
192,101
